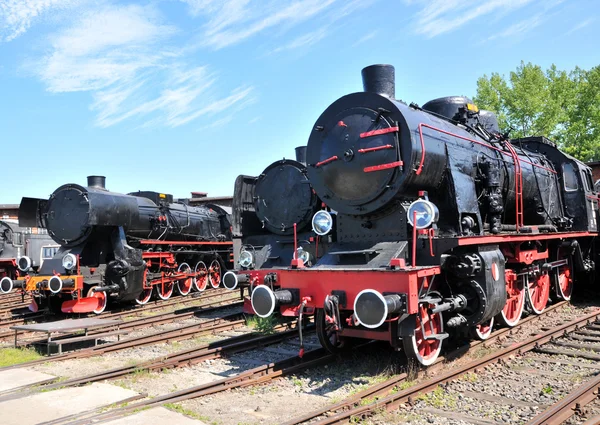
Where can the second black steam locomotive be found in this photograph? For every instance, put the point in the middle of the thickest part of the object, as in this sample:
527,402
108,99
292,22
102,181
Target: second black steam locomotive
123,247
271,220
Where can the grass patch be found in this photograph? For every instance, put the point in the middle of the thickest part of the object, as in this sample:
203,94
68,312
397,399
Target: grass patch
439,399
141,373
190,413
12,356
470,377
482,352
547,389
404,385
263,325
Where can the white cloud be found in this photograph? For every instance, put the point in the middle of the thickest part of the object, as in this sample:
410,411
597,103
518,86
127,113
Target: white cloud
122,54
102,48
16,16
305,40
365,38
255,120
118,54
580,25
232,21
519,28
441,16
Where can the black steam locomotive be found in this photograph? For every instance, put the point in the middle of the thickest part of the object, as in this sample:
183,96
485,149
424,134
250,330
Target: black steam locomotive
272,216
122,246
443,223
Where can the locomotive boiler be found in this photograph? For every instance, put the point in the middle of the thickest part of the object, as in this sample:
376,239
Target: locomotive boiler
443,223
272,215
123,246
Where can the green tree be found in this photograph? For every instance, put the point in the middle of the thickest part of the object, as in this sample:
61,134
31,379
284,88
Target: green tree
563,106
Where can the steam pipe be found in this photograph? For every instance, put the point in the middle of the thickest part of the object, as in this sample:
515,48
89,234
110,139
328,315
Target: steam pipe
109,288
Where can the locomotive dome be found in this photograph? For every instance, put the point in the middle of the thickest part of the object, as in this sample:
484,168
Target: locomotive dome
284,196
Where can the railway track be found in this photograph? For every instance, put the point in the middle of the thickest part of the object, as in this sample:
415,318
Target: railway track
572,404
211,326
126,312
230,321
183,358
255,376
22,317
388,395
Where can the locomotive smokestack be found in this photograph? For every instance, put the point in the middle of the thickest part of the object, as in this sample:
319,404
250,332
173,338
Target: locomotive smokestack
99,182
380,79
301,154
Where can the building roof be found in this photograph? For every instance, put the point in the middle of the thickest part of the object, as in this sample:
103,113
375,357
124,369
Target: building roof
9,206
212,198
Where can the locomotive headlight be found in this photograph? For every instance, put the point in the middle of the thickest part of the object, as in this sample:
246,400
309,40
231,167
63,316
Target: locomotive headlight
24,263
246,259
69,261
322,222
303,255
426,212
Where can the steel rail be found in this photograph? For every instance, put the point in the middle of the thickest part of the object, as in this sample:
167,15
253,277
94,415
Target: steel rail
383,388
185,358
567,406
249,377
392,401
168,316
125,310
211,326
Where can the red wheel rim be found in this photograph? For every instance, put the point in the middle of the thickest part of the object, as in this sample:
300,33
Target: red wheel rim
144,297
165,290
201,279
515,299
564,277
427,350
184,286
215,274
146,293
484,330
538,292
102,300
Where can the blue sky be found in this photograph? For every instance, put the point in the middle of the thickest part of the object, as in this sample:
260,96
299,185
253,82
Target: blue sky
184,95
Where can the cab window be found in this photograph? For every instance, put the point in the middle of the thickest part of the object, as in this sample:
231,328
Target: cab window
48,252
588,176
17,238
570,178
